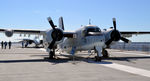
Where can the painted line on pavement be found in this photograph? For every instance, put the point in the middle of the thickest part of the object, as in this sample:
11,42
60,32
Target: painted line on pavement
42,49
128,69
131,53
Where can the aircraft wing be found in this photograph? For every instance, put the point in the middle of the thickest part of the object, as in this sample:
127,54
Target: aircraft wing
28,31
130,33
10,32
70,34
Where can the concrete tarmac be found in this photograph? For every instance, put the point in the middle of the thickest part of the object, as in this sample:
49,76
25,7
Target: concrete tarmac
27,64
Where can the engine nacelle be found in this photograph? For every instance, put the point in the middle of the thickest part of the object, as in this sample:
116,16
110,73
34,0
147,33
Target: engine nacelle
9,33
112,34
51,35
115,35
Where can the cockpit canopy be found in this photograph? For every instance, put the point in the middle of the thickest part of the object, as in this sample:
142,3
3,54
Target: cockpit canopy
91,31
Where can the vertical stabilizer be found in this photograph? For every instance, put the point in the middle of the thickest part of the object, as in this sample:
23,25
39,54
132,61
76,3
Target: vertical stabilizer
61,23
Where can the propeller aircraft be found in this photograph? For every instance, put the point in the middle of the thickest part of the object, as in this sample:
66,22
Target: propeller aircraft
87,38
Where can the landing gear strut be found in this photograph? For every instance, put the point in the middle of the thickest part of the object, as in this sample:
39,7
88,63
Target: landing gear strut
52,54
98,50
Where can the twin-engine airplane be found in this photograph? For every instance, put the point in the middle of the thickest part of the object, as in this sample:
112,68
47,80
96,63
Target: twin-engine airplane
28,41
87,38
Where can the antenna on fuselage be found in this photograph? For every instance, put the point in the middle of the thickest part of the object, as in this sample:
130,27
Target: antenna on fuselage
89,21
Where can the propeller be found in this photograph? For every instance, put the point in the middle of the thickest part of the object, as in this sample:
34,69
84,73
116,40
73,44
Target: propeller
52,44
51,22
114,23
115,35
57,34
125,40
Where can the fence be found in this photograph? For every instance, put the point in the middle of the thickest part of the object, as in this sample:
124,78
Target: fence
138,46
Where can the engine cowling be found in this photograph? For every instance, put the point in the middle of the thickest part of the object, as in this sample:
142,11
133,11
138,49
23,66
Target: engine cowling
9,33
56,35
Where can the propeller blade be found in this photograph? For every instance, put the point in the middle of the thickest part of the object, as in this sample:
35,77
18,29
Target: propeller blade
114,23
61,23
108,42
51,44
51,22
125,40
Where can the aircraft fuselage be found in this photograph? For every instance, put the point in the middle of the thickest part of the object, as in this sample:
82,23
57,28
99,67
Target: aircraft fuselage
86,39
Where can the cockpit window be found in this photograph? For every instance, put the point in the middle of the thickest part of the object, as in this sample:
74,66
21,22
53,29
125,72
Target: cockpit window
93,32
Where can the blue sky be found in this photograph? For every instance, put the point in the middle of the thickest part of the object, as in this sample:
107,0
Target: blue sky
131,15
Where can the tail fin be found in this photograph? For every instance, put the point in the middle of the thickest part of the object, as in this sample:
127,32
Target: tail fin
61,23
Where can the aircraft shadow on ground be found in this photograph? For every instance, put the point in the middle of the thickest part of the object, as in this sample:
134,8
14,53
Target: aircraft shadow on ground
76,60
35,60
58,60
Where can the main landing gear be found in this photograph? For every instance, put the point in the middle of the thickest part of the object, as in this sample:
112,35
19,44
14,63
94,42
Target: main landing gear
101,53
105,53
51,55
98,59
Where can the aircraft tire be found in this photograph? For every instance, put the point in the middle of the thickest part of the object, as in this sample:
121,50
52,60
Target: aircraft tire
98,59
105,55
51,55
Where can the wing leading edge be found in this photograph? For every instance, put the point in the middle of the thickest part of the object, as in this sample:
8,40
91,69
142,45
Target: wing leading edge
24,31
130,33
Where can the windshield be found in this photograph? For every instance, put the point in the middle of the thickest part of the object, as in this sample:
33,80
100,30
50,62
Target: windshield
93,31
